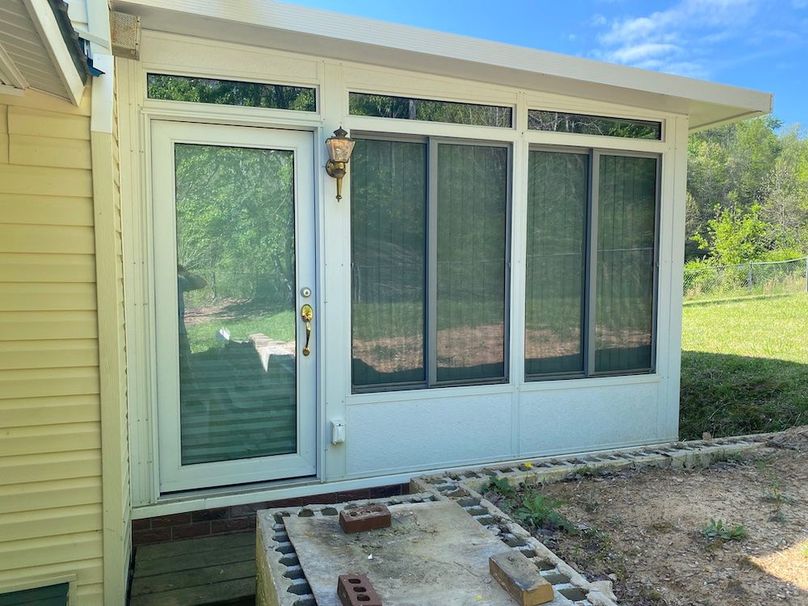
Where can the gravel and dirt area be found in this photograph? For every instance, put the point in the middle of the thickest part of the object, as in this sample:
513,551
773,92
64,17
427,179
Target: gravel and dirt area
734,533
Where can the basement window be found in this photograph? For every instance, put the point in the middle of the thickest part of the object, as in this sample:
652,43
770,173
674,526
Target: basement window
167,87
430,110
583,124
51,595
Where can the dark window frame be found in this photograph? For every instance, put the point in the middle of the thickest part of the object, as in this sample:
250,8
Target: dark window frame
430,274
589,322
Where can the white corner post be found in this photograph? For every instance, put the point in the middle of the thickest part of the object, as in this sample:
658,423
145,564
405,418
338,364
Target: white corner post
111,352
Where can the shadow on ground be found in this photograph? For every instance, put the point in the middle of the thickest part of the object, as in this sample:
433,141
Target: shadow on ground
733,395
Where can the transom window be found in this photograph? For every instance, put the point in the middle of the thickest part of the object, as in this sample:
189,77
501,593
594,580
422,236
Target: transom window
584,124
168,87
429,247
430,110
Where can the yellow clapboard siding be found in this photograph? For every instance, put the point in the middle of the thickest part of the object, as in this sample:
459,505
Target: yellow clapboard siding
3,119
48,495
48,151
4,151
30,267
36,122
86,571
51,550
41,382
26,296
49,438
45,102
50,466
45,210
30,412
67,239
37,325
91,595
45,181
50,522
61,353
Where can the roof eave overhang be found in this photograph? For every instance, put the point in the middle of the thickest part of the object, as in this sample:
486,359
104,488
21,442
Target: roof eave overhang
298,29
48,19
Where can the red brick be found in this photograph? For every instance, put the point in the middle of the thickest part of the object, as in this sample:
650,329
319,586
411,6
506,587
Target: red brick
392,490
141,524
237,511
172,520
197,529
360,519
351,586
234,525
352,495
151,535
220,513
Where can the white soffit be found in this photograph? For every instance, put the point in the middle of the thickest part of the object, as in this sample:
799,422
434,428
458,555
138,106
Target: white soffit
272,24
33,53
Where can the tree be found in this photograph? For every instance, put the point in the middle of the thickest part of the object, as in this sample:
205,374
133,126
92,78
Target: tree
735,236
749,177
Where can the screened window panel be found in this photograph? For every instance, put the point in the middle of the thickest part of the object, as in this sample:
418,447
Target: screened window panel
555,281
388,252
471,254
624,309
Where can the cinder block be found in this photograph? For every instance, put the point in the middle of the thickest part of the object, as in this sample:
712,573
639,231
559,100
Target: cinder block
360,519
520,578
356,590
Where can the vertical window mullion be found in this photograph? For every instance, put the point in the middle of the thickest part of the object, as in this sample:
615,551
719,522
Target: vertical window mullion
592,264
506,346
432,264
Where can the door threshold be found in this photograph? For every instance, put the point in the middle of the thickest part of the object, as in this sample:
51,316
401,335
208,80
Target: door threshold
254,493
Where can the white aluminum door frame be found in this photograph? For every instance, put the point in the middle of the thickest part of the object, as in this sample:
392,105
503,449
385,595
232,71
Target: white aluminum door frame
173,475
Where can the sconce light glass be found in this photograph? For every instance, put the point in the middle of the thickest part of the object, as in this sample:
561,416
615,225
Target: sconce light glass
340,147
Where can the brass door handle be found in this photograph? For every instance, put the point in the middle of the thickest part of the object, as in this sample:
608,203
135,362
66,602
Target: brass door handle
307,315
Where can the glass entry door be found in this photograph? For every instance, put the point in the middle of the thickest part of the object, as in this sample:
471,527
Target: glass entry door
233,231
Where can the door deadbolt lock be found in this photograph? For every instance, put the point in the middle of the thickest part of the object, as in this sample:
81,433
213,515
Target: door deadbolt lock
305,292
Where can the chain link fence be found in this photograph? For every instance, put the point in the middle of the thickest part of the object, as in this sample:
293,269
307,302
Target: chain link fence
758,278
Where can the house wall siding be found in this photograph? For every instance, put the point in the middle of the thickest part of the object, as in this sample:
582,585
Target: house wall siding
50,410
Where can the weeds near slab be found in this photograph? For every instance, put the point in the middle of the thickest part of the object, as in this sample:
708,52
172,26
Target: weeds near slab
719,530
539,511
501,486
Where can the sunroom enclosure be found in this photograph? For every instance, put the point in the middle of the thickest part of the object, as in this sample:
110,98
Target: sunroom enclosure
501,278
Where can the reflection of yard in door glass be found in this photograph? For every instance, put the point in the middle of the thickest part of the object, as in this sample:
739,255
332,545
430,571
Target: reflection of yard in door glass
236,303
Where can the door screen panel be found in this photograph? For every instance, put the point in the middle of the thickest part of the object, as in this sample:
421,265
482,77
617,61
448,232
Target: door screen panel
235,229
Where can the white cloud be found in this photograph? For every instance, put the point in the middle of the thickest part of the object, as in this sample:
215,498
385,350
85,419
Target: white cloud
643,52
677,39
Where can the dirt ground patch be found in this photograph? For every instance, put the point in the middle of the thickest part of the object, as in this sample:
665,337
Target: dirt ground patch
643,529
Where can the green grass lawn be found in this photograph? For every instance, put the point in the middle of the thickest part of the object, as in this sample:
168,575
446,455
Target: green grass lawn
744,366
280,327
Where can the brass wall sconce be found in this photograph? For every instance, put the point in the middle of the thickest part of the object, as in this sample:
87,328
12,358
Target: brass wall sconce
340,147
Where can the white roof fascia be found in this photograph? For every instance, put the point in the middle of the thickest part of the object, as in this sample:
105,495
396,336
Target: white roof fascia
45,22
287,27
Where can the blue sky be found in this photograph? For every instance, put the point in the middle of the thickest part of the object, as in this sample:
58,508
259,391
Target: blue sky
760,44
